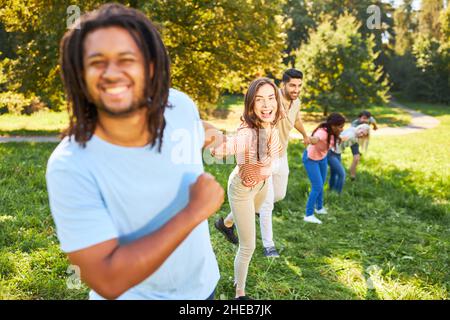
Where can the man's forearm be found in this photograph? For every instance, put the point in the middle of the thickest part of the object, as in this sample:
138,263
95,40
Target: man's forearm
300,128
130,264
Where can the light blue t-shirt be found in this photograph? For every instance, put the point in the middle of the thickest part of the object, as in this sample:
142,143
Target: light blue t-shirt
106,191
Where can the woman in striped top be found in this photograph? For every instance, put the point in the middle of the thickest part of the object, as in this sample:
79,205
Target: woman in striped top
255,146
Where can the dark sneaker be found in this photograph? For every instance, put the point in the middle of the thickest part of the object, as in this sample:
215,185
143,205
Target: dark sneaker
227,232
243,298
271,252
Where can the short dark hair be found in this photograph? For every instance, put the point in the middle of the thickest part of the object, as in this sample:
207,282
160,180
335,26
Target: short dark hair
364,113
292,74
83,113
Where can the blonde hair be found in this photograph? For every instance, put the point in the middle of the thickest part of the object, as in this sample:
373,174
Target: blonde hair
363,141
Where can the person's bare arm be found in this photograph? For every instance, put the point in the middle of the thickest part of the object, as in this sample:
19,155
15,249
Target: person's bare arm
299,126
221,145
213,136
110,269
314,140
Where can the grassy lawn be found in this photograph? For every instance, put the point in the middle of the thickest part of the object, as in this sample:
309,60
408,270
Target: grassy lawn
37,124
31,264
386,237
226,117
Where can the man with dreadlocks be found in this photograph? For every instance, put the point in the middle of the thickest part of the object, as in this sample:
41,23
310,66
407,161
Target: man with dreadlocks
130,210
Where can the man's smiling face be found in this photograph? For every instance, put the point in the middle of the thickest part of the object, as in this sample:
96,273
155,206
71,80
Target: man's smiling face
113,70
292,88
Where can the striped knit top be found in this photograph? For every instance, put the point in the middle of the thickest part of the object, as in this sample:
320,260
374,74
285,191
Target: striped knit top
244,146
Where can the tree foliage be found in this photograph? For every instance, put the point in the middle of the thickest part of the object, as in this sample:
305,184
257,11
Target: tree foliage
217,45
339,67
305,16
214,45
405,25
429,22
420,64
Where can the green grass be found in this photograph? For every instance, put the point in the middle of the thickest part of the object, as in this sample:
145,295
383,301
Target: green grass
434,110
37,124
31,263
386,237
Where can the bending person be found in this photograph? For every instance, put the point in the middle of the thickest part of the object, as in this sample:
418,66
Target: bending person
364,117
349,137
278,181
315,161
255,145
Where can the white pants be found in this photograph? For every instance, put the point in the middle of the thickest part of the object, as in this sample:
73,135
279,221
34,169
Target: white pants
276,191
277,186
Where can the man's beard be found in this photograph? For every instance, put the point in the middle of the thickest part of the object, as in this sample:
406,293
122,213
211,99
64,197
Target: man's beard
288,96
134,106
293,98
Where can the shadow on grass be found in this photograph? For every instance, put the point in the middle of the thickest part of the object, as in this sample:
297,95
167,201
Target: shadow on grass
380,220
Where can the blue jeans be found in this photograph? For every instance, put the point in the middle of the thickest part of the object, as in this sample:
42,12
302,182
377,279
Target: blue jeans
337,171
317,174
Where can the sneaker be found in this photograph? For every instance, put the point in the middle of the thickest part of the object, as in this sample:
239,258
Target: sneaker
243,298
312,219
322,211
227,232
271,252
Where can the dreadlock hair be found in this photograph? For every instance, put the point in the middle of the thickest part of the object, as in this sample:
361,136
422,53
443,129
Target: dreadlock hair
83,113
249,117
334,119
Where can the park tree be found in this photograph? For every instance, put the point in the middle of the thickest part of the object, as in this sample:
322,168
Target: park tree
420,66
431,51
429,18
304,16
401,65
34,29
405,25
299,22
220,45
339,67
213,45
